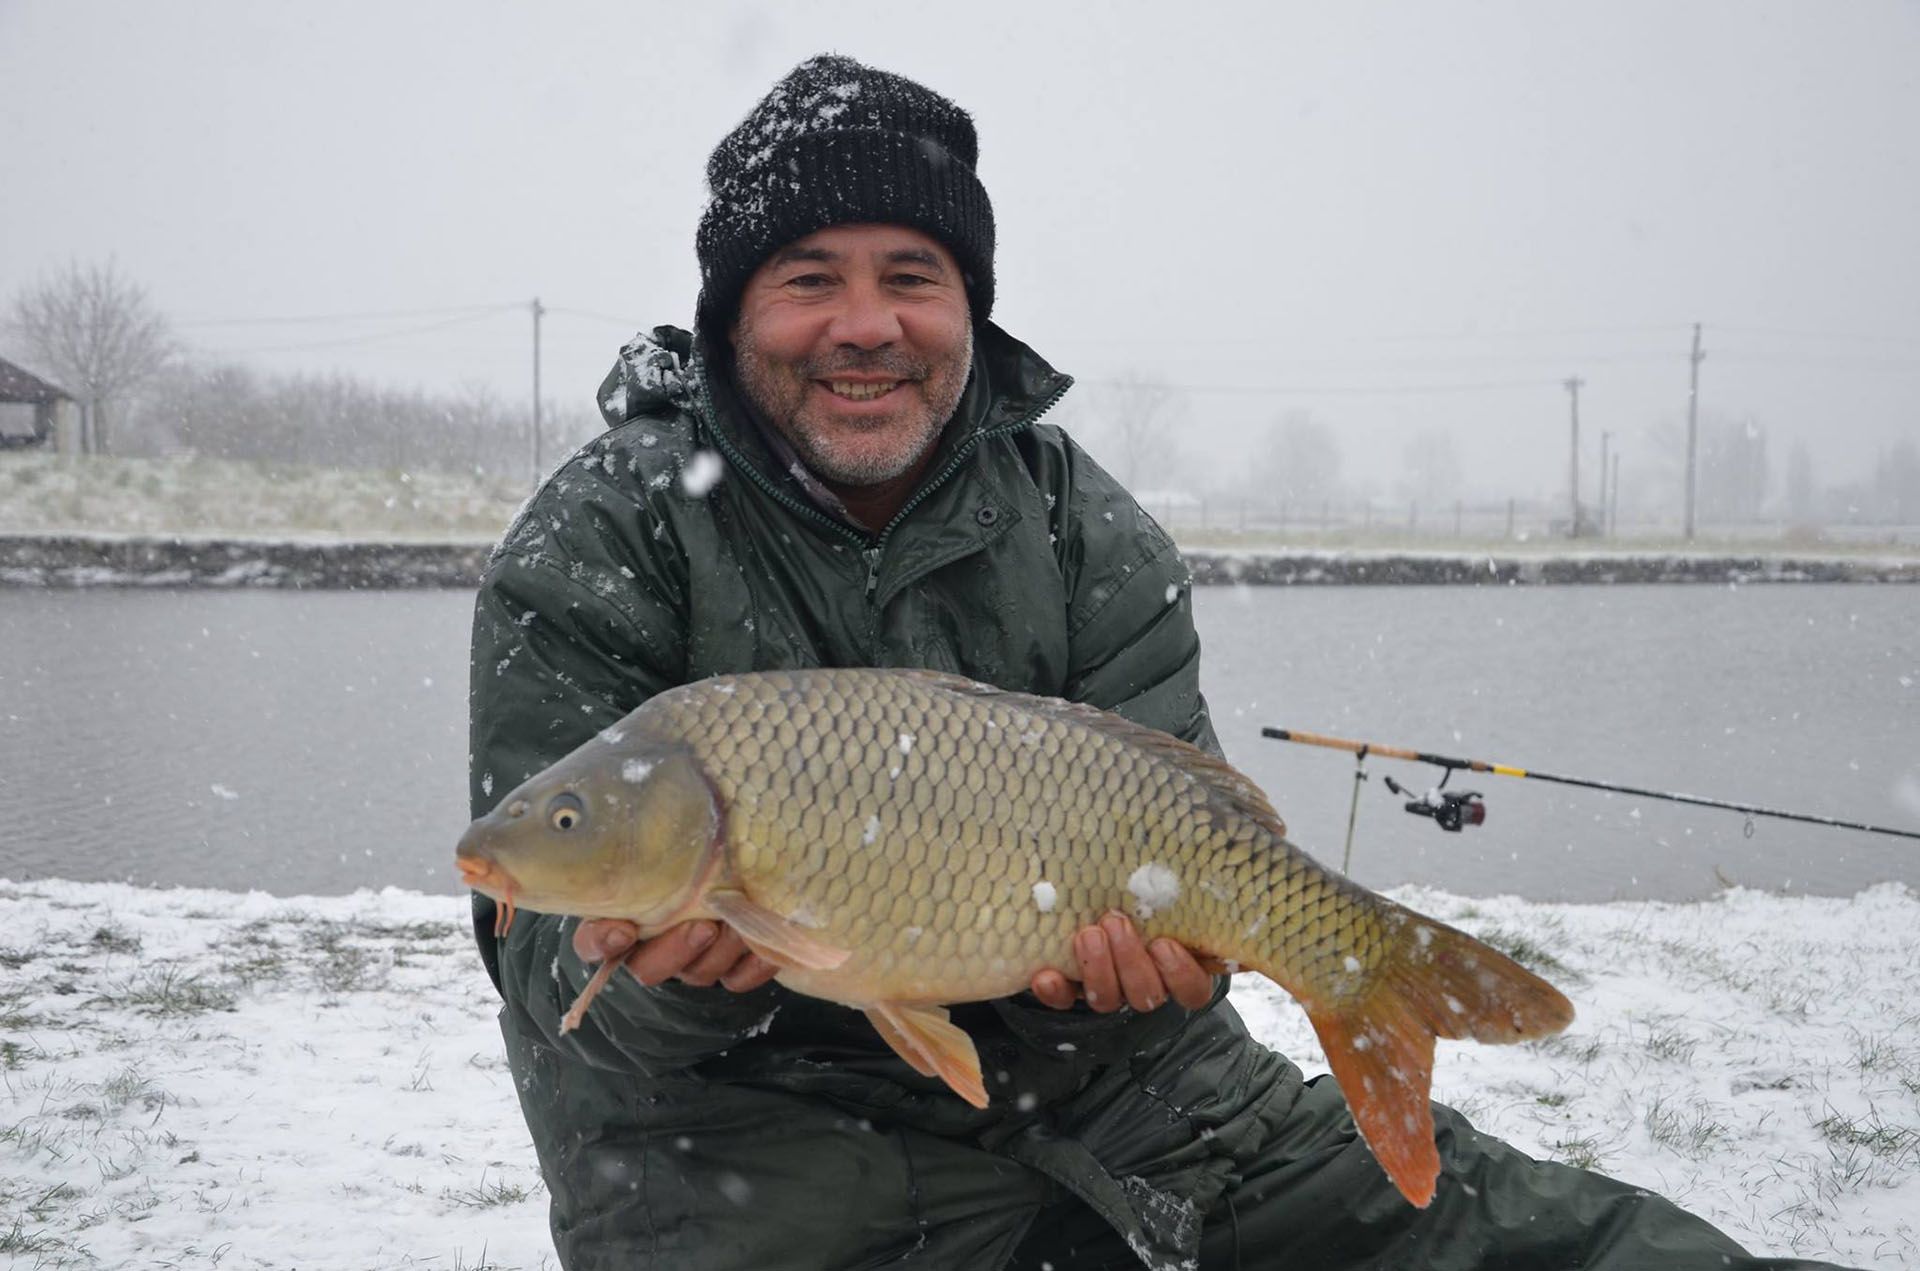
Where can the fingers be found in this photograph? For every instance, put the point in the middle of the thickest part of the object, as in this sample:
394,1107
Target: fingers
1118,969
716,960
598,939
1099,982
1055,990
701,954
665,956
1183,975
1140,980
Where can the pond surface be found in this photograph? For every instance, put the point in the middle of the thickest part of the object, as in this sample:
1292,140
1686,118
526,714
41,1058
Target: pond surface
316,742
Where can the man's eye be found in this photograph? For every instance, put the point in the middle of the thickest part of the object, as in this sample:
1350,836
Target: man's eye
809,281
910,280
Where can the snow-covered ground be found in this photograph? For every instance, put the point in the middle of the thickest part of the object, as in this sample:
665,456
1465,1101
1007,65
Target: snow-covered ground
200,1079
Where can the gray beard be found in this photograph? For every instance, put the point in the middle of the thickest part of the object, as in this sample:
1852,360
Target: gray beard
763,392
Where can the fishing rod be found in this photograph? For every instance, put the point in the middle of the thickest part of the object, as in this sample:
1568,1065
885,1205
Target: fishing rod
1454,809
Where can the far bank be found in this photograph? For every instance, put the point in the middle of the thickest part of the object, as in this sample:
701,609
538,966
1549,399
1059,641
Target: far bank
322,563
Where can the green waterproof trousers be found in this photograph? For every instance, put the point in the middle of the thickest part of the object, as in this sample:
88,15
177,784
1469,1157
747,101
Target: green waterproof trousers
832,1172
1314,1200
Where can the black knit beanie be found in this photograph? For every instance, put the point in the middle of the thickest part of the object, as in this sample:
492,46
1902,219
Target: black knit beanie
837,143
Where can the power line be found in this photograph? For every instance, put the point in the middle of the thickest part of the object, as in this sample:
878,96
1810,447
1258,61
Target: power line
345,317
372,338
628,323
1281,390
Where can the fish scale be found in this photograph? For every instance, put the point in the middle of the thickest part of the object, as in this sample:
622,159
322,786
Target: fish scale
881,835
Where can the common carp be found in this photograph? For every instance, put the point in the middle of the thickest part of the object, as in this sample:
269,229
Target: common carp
900,840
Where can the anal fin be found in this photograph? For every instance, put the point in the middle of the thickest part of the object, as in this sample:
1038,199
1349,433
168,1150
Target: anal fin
936,1047
776,938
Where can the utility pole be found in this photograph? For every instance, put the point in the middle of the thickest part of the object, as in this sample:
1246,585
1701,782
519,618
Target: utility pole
1613,500
1605,438
1573,383
538,471
1693,425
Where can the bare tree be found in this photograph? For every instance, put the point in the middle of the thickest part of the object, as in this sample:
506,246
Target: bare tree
94,331
1430,469
1300,463
1140,417
1800,508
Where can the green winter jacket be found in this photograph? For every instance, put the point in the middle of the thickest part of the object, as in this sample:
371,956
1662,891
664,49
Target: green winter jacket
698,1128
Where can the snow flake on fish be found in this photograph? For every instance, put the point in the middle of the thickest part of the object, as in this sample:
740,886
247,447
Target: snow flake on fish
1352,964
1424,935
906,743
1154,887
761,1028
635,770
486,784
1044,896
872,832
1173,592
223,791
612,735
701,473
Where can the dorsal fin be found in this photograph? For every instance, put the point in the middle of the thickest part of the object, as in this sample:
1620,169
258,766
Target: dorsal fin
1232,786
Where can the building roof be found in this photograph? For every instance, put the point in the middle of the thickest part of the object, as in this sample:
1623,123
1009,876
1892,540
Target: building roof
20,385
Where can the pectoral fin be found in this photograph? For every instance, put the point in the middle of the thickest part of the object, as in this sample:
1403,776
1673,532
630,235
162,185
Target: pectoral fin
934,1045
773,937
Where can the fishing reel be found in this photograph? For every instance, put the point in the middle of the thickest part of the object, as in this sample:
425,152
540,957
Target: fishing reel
1451,810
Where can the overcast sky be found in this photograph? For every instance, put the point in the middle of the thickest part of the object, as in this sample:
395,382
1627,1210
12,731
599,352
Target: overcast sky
1395,216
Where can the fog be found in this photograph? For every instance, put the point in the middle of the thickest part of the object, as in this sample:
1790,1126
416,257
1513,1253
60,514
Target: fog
1398,222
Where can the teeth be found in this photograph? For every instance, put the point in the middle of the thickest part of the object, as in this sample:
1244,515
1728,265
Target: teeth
862,392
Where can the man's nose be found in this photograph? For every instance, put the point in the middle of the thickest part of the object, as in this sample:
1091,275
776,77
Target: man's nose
866,318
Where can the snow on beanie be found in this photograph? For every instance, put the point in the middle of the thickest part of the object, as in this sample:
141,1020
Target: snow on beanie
839,143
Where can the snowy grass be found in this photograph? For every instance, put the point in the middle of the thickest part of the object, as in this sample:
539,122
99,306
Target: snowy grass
207,1079
47,494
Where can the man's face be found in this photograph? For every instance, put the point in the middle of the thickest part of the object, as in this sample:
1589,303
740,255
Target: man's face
855,343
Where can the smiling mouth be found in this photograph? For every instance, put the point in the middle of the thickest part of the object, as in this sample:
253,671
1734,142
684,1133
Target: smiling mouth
861,391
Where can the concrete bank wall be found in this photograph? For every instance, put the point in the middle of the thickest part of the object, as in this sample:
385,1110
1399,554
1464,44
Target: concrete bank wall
115,561
103,561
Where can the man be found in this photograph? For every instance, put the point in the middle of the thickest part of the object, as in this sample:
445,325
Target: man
845,465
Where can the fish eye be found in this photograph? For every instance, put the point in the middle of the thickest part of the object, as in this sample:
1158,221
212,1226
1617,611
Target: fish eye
565,812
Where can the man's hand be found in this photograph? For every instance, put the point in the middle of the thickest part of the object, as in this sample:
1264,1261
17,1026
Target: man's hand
699,953
1117,969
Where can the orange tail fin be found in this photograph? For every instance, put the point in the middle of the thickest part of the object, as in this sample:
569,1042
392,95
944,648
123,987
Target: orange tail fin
1439,982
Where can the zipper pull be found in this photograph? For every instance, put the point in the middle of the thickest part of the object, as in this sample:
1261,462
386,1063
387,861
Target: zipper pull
873,571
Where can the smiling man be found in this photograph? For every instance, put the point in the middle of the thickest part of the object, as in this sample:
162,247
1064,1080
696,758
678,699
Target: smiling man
854,343
889,495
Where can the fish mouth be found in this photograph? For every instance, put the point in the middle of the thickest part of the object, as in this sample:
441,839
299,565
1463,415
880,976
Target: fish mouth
489,879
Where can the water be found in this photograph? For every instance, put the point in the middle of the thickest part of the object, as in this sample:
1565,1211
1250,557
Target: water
303,743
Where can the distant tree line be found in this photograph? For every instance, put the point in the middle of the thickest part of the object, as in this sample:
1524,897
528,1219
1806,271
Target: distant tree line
94,332
230,411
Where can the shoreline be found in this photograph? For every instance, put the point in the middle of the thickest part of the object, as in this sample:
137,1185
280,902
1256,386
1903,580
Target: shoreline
76,560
